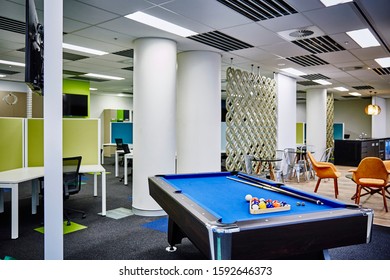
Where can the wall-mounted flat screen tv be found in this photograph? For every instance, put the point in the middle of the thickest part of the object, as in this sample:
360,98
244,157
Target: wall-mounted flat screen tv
34,49
74,105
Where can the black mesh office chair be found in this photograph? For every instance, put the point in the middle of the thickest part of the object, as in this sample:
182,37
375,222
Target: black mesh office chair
129,162
119,147
71,183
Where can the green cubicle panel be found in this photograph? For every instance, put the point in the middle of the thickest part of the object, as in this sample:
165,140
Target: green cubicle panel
79,137
11,143
34,142
300,133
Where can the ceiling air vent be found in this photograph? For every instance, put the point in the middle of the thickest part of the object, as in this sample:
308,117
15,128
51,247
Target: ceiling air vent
323,44
307,60
382,71
126,53
351,68
261,9
307,83
12,25
362,87
220,41
301,33
312,77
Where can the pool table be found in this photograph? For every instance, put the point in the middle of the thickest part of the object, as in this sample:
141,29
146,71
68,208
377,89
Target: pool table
210,209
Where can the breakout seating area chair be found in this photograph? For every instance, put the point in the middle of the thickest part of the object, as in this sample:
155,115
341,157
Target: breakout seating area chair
372,176
279,166
295,166
248,164
71,183
325,170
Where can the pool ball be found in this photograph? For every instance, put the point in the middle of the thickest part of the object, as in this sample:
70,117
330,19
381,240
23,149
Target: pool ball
255,207
262,205
248,197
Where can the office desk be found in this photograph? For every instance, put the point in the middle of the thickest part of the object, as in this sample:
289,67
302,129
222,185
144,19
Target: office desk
106,145
126,157
210,209
12,178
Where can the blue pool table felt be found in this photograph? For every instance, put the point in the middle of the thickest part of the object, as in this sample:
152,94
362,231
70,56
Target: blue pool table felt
225,198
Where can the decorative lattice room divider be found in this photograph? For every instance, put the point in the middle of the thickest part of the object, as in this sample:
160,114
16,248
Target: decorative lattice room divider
329,120
251,119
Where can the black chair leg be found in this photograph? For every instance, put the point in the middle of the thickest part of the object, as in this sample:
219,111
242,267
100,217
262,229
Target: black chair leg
68,210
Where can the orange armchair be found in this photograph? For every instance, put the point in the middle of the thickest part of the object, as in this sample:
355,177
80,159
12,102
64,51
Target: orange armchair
325,170
372,176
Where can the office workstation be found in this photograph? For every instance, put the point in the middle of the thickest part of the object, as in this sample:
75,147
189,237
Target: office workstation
175,119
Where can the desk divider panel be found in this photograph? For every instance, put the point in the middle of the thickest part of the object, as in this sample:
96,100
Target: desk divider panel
34,134
11,143
79,136
122,130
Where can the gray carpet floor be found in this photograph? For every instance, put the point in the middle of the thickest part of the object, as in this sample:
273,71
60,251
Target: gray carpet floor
127,238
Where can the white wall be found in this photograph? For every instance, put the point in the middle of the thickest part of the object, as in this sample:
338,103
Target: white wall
301,112
100,102
351,113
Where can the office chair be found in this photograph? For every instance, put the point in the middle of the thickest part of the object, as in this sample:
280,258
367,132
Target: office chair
119,147
71,183
126,150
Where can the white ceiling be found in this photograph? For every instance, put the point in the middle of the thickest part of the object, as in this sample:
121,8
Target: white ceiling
100,24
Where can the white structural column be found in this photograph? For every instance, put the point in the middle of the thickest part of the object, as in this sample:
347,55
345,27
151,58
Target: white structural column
316,120
287,111
154,118
379,122
53,220
199,112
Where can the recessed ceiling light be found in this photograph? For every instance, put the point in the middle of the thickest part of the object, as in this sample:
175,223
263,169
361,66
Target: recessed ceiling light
293,71
13,63
99,76
384,61
92,88
3,76
354,93
364,38
341,88
82,49
160,24
328,3
322,82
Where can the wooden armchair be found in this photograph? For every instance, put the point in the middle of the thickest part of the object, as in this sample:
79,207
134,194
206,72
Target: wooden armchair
372,176
325,170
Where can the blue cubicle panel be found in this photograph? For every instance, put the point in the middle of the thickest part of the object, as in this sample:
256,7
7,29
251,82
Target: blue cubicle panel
122,130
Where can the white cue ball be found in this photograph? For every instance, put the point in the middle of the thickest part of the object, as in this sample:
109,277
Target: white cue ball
255,207
248,197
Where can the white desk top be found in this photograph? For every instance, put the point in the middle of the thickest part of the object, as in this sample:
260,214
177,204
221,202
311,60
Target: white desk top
92,168
19,175
16,176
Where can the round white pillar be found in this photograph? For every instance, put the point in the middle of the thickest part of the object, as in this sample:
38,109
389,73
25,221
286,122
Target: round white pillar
316,120
154,118
199,112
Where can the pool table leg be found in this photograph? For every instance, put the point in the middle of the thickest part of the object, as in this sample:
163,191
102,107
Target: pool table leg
175,234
